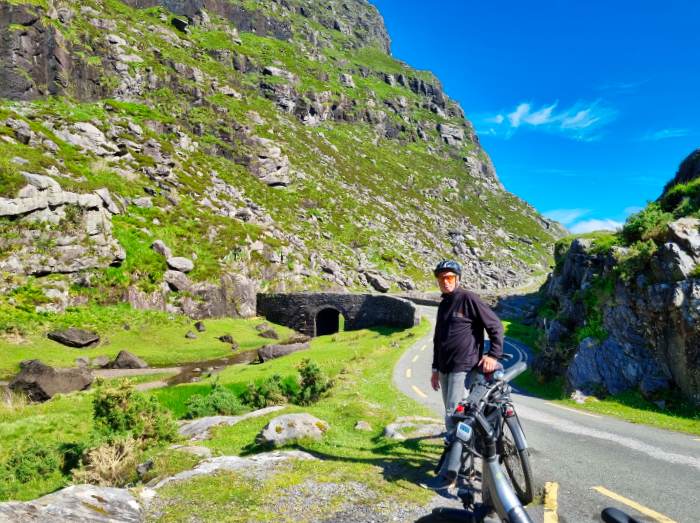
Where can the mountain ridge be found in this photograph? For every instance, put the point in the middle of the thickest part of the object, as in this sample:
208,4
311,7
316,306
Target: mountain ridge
305,154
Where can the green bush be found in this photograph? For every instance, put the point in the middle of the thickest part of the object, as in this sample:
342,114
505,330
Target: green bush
121,411
221,401
30,461
649,223
314,384
271,391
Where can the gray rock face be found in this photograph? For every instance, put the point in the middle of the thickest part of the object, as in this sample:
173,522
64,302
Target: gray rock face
74,337
178,281
41,382
652,328
289,428
270,352
86,503
269,164
126,360
181,264
198,429
84,240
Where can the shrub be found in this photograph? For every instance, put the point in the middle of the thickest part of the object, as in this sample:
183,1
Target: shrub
121,411
220,401
314,384
111,464
272,391
649,223
30,461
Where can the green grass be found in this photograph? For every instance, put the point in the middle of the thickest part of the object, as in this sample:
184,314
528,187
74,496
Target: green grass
158,338
679,415
361,363
527,334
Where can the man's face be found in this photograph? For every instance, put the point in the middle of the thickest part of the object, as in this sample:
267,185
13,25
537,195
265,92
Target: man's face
447,281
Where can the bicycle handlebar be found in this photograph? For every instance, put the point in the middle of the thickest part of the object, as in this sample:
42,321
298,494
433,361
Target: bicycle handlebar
514,371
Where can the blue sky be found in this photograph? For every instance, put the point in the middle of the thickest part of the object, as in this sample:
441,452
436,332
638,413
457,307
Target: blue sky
586,108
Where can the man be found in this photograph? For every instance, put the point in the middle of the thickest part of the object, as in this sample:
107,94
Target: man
458,344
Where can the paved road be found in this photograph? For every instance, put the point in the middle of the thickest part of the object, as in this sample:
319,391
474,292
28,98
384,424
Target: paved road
597,461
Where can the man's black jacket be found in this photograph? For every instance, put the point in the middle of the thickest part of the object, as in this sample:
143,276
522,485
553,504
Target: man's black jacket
459,332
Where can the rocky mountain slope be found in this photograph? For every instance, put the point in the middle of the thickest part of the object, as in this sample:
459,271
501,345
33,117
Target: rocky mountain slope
183,155
623,309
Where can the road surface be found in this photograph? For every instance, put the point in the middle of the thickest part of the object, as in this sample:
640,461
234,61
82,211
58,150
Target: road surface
593,461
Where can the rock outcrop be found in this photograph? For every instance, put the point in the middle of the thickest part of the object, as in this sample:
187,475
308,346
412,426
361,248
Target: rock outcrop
648,324
41,382
290,428
76,227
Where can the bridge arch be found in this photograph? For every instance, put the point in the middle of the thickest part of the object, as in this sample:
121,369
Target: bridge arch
318,313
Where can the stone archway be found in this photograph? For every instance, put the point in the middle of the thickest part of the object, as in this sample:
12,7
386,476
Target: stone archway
327,321
306,311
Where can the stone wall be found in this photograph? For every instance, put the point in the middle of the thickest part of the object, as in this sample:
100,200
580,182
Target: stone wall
361,311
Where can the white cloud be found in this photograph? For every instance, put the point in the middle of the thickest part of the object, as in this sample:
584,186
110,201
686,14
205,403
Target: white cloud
566,216
622,87
516,117
541,117
498,119
595,225
581,121
663,134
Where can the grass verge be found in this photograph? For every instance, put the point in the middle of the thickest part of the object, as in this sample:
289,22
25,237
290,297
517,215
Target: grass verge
678,414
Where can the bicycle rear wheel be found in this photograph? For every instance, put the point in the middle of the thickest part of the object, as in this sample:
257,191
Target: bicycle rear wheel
516,463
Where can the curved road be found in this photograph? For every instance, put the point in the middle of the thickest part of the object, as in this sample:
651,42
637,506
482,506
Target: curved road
596,461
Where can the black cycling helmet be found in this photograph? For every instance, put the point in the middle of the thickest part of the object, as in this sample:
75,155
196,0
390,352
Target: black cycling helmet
448,265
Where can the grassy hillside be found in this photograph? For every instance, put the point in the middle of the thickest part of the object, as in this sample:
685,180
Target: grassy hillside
380,172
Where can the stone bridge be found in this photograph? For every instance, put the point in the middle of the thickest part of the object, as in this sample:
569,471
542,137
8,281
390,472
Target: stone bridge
319,313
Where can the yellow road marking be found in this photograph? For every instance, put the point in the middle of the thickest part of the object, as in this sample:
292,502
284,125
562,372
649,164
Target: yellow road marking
696,439
408,373
636,506
415,359
423,348
418,391
571,410
551,490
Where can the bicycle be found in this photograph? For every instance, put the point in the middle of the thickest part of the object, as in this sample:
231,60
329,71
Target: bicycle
487,427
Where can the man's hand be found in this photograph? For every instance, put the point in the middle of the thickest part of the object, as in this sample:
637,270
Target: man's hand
435,380
488,364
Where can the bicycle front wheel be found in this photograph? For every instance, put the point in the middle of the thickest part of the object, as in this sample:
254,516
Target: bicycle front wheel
516,463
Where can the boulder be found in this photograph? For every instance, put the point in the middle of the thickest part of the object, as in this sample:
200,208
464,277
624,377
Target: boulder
289,428
377,282
198,429
41,382
73,337
686,233
177,281
363,426
126,360
100,361
270,334
199,326
162,249
86,503
226,338
181,264
270,352
407,427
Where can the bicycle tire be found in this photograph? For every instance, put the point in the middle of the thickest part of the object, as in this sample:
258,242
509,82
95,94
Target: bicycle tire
516,462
